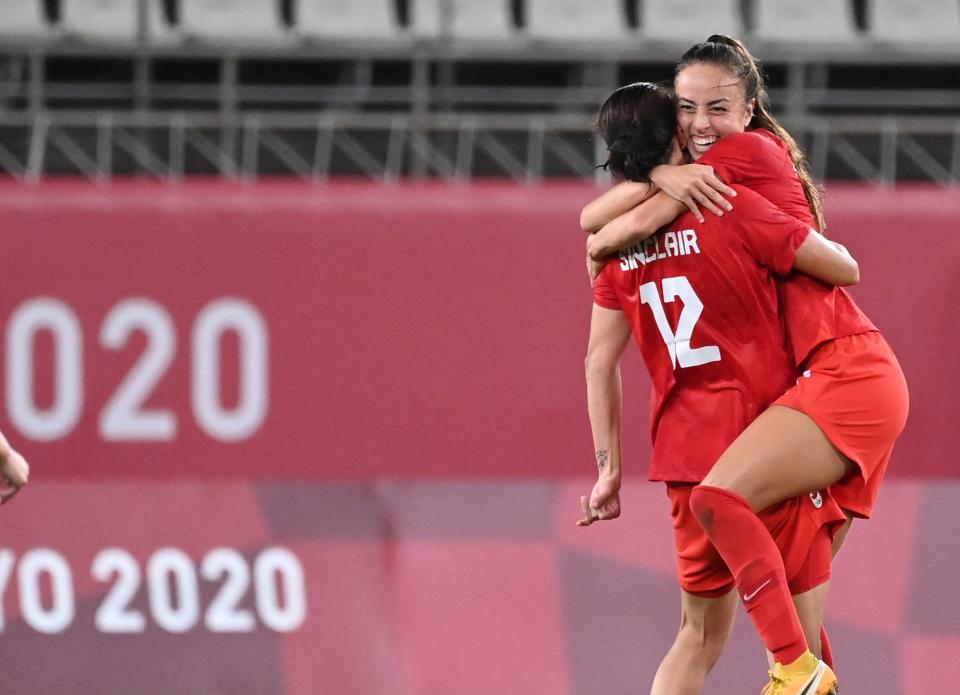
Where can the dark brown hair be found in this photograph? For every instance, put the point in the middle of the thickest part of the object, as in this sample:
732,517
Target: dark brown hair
638,123
732,55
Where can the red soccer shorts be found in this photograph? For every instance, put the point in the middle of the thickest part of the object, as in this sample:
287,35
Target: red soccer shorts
795,525
855,391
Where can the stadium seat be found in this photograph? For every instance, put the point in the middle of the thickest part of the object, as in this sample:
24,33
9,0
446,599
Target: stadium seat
24,19
464,19
914,21
346,19
690,21
482,20
234,21
162,31
426,18
805,20
114,21
577,20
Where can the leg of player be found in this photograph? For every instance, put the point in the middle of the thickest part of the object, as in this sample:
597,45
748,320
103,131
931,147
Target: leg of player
810,606
809,586
841,534
705,627
782,454
826,651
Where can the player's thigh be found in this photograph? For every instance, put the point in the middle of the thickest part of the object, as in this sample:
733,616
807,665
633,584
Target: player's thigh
708,621
781,454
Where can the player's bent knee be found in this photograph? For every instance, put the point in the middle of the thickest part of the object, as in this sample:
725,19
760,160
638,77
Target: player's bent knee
697,632
699,643
740,478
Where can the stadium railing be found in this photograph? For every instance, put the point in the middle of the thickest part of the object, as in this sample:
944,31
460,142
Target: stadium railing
432,88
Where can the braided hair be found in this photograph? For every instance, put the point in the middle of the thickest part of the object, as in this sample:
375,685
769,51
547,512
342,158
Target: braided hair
638,123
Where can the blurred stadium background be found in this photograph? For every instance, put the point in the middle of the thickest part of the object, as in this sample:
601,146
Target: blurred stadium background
294,315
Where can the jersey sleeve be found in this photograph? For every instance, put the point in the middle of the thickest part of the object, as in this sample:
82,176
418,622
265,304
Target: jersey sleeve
604,294
770,235
746,158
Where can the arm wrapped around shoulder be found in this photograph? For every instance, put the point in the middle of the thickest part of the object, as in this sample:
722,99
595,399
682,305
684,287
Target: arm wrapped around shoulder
827,260
783,243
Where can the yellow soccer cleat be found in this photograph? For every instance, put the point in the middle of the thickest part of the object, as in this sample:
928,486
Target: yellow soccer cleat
805,676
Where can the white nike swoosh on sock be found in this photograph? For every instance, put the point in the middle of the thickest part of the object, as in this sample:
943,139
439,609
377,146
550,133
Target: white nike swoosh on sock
747,597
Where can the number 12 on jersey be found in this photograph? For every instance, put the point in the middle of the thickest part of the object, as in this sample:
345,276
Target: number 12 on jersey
678,343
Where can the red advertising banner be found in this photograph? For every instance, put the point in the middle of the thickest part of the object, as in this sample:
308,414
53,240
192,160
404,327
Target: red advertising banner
273,331
294,438
350,330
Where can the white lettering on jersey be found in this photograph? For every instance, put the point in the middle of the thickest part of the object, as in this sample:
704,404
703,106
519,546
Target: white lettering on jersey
690,240
657,248
654,252
670,244
678,344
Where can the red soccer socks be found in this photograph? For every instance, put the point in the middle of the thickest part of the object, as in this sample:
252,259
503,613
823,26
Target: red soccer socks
746,546
826,653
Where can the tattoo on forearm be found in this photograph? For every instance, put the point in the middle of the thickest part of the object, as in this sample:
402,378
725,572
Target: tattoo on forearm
602,457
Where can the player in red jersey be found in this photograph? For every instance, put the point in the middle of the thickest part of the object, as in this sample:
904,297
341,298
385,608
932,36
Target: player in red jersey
709,281
840,421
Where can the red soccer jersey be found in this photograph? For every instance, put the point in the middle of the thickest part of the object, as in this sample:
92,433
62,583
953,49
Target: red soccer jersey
702,303
813,312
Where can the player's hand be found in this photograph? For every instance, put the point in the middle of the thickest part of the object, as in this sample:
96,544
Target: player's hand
593,266
593,269
15,472
603,503
694,185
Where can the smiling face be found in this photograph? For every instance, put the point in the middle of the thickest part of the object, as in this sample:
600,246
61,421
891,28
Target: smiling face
710,105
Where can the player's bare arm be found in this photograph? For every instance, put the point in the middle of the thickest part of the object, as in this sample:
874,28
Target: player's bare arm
827,261
691,184
612,203
694,185
609,335
635,225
